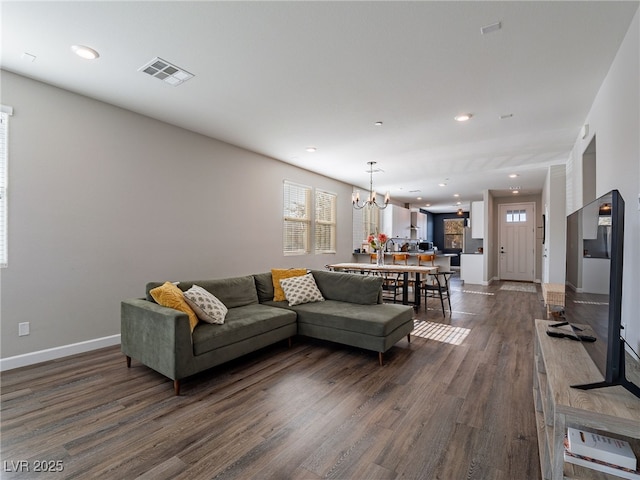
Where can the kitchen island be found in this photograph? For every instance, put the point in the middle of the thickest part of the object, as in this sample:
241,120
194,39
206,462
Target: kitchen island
472,268
442,260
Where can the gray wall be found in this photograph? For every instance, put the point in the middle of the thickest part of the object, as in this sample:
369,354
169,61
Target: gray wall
102,200
614,119
553,199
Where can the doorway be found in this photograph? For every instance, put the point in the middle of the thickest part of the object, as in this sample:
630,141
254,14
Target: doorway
517,241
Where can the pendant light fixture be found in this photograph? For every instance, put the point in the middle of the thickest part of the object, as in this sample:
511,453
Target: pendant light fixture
371,201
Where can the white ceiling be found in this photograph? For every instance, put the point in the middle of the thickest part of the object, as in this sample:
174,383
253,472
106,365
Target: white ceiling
277,77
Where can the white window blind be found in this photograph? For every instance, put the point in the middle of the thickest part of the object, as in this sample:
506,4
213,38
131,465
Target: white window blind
297,218
325,226
4,140
371,221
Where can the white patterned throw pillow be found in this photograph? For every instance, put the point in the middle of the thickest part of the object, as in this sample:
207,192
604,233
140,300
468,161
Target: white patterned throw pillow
208,308
299,290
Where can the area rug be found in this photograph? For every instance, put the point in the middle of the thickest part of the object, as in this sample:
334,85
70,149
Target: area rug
440,332
518,287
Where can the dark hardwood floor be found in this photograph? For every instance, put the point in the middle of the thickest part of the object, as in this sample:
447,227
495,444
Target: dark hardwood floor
456,407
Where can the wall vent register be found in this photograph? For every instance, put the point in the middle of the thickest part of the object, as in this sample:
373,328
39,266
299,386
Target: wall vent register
166,72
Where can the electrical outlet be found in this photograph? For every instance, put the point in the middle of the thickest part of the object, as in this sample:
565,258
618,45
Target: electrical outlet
23,329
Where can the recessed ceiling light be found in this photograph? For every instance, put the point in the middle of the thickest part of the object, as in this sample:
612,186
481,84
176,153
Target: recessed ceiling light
456,195
418,198
85,52
442,184
513,175
427,204
515,192
311,149
463,117
378,124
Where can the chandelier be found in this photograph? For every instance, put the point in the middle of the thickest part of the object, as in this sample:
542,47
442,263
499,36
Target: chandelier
371,201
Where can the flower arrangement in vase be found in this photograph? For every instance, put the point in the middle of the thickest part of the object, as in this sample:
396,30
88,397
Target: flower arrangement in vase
378,242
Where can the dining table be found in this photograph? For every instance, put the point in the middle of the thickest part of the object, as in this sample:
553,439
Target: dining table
405,270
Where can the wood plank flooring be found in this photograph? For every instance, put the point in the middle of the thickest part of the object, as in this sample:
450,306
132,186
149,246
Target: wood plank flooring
435,410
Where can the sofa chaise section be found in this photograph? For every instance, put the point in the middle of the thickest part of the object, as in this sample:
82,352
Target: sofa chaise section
352,314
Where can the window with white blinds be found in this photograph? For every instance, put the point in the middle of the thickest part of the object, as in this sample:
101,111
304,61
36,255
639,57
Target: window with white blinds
325,222
297,218
371,221
4,133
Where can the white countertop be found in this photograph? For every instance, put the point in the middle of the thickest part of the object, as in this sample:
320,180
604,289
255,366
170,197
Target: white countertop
416,253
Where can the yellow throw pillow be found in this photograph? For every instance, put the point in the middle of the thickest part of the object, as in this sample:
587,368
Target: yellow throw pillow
168,295
278,274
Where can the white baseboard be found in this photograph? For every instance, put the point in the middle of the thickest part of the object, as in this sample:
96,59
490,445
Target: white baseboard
57,352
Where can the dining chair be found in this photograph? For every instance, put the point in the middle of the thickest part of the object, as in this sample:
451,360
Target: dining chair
389,284
396,279
438,288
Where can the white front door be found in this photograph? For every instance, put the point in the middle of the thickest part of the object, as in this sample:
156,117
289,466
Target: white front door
517,241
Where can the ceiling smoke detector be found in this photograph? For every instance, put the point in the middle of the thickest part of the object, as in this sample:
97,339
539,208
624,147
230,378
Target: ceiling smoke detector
166,72
494,27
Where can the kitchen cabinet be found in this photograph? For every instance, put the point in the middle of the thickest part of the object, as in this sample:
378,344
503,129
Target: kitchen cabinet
472,268
418,225
477,220
396,221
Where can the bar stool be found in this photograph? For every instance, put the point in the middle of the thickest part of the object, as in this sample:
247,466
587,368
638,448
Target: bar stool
399,258
426,259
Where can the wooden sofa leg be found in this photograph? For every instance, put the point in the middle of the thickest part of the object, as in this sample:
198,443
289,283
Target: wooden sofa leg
176,386
128,361
409,337
380,358
290,342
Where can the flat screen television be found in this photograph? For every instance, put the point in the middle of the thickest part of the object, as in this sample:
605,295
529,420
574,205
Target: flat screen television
593,276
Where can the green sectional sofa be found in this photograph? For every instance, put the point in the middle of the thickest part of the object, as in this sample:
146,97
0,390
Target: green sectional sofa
352,313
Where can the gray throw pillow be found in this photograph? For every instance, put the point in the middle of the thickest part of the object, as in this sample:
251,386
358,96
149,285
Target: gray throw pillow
208,308
302,289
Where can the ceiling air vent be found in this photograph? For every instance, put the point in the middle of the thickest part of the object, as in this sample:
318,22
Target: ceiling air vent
166,71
